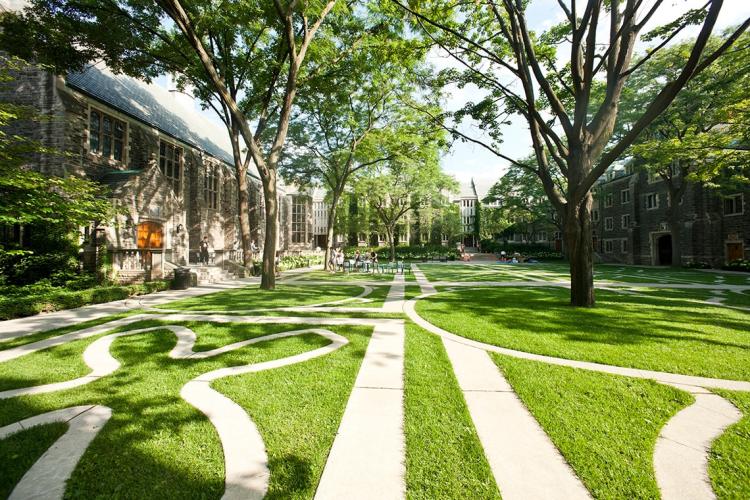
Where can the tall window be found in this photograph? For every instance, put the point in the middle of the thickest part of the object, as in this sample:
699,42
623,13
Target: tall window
170,163
299,223
106,135
625,221
211,186
608,200
652,201
609,224
625,196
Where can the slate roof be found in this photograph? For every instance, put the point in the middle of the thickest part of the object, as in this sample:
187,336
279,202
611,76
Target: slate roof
154,106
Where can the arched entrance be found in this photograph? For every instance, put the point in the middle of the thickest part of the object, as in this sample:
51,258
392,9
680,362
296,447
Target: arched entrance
664,250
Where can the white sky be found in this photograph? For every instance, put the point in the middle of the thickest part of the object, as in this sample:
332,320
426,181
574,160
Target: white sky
466,160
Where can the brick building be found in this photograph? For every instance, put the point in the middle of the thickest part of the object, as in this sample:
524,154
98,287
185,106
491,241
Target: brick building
170,169
631,226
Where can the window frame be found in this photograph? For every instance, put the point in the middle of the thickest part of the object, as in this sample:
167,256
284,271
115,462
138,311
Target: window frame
622,196
656,201
609,223
734,198
211,189
608,200
174,182
299,220
98,150
623,224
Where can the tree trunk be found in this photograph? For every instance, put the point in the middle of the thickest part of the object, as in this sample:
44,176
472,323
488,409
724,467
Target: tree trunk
392,241
331,231
244,213
268,278
578,239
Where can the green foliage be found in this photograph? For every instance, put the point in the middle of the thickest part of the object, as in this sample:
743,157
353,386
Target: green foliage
410,252
739,265
296,261
527,250
43,297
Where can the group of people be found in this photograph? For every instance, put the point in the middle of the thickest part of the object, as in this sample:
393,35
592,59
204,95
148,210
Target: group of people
360,260
515,259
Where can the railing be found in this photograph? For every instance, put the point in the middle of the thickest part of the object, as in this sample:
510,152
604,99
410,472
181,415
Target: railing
131,260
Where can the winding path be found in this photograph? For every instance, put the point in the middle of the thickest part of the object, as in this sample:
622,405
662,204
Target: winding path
683,446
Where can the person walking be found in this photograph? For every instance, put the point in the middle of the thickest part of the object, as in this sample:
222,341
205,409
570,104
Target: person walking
204,251
340,259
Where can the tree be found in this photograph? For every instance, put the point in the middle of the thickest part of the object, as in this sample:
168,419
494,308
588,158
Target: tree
57,205
244,59
702,136
339,129
525,73
524,206
408,182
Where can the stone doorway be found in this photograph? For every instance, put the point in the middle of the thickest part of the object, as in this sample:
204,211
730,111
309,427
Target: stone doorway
664,250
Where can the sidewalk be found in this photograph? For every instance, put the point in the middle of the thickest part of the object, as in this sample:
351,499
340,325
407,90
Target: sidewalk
47,321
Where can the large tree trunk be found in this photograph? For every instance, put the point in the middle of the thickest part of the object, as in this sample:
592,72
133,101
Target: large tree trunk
578,239
244,213
390,232
331,230
268,278
675,229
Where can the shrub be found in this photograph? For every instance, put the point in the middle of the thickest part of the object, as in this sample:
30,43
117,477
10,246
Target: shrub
297,261
42,297
408,253
529,250
739,265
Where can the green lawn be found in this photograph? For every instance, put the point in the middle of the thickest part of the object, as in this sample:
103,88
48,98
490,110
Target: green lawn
19,452
635,331
729,463
444,458
158,446
252,297
604,425
351,276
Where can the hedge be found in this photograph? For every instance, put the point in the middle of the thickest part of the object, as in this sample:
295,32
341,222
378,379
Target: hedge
408,253
739,265
528,250
16,305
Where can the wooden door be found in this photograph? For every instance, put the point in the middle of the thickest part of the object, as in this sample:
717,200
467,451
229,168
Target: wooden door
150,235
735,251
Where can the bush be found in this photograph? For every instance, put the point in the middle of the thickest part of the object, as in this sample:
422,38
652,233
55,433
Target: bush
43,297
408,253
739,265
529,250
297,261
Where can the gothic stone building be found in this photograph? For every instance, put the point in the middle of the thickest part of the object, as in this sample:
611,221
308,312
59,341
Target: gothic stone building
169,169
631,225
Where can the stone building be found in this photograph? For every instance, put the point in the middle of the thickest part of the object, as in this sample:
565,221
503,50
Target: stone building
631,224
170,169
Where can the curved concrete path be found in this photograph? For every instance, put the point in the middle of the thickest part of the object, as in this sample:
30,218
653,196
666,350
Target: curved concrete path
681,455
46,478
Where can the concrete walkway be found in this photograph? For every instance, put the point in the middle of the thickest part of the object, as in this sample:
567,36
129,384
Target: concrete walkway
525,463
368,454
681,455
47,477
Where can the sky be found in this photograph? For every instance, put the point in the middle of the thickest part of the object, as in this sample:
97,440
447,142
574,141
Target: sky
466,161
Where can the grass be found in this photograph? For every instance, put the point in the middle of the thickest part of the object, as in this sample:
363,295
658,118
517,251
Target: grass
729,462
19,451
634,331
157,446
605,426
35,337
252,297
444,458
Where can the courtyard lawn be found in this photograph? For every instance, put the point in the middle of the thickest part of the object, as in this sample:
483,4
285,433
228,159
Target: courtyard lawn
634,331
156,445
444,458
19,452
483,272
604,425
252,297
729,462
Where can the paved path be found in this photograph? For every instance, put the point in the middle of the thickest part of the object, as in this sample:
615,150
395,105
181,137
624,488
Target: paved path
368,454
683,446
525,463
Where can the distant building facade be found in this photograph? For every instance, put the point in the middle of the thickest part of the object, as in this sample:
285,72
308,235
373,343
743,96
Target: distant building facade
170,170
631,226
